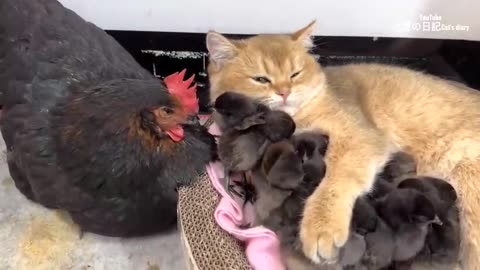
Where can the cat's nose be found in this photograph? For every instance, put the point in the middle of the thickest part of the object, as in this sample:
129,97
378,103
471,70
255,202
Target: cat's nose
284,93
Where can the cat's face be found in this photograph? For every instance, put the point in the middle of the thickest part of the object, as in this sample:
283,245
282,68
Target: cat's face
277,69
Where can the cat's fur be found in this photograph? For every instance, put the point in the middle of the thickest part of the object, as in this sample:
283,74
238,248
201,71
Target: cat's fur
369,111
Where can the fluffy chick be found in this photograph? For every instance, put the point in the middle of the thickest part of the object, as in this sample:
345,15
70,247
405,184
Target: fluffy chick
442,244
408,213
440,192
400,166
364,221
283,181
249,129
311,147
309,143
279,174
232,110
380,247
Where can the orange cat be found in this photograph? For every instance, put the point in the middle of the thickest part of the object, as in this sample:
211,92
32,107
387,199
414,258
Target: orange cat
369,111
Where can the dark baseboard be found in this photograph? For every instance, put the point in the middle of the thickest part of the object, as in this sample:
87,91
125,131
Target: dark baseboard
453,59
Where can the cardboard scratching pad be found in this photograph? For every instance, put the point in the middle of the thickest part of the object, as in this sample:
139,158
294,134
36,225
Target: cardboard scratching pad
205,244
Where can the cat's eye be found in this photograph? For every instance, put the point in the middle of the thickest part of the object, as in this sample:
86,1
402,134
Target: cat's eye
261,79
294,75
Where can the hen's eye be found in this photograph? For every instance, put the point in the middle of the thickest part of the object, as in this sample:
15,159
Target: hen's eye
294,75
167,110
261,79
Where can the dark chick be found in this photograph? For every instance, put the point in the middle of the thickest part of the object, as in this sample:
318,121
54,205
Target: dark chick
240,151
312,166
380,247
443,241
440,192
283,182
233,109
87,129
248,133
364,221
311,148
235,114
408,213
309,143
278,126
241,147
279,174
400,166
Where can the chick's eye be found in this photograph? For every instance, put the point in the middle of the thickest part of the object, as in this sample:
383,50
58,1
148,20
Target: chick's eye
261,79
294,75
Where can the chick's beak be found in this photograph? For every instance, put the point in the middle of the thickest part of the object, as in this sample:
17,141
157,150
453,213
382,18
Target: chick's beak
437,221
191,120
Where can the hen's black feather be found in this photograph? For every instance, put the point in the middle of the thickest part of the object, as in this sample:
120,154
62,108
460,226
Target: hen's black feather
81,156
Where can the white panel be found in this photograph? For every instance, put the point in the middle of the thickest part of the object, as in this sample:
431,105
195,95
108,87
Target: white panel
381,18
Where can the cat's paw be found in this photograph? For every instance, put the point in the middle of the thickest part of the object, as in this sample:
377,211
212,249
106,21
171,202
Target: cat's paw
324,228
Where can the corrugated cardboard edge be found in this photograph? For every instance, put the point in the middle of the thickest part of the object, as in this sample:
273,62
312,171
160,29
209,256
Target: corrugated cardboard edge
187,252
205,244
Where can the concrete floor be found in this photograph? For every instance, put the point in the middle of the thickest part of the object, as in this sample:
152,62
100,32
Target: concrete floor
34,238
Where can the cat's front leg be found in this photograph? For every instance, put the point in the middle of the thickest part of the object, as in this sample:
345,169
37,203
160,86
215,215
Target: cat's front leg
351,168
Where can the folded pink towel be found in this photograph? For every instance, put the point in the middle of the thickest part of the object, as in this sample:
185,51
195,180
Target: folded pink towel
262,245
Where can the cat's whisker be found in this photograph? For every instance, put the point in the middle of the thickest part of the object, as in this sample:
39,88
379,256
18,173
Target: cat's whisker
321,44
270,102
316,38
264,99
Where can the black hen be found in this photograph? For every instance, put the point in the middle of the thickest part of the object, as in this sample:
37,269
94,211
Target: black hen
86,128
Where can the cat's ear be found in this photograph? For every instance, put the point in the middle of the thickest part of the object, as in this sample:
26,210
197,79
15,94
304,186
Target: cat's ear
304,35
220,48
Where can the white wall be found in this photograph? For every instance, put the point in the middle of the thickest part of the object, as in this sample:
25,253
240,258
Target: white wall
381,18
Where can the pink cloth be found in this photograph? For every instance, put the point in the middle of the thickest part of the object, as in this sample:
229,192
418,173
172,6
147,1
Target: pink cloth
262,245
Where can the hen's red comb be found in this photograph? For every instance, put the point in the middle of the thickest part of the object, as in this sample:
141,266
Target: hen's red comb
183,91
